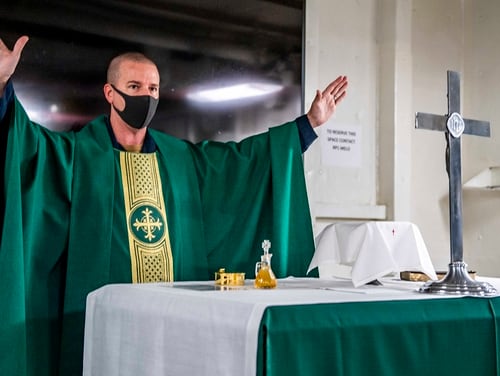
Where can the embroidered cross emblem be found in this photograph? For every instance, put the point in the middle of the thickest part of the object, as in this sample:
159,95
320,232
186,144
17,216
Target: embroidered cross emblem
148,224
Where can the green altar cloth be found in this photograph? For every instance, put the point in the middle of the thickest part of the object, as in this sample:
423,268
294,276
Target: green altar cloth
389,338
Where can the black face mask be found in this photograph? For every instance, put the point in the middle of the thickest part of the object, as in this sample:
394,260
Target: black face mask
139,109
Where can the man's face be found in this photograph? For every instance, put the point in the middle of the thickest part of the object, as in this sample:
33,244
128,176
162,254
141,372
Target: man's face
137,78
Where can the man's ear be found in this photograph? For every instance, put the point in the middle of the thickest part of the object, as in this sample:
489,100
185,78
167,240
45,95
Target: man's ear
108,93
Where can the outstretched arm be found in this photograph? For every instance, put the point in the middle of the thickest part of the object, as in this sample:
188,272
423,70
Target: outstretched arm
325,102
9,60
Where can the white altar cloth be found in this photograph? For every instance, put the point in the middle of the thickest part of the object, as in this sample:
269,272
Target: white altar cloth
194,328
373,249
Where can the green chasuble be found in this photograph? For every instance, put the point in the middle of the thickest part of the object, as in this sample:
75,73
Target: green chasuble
63,230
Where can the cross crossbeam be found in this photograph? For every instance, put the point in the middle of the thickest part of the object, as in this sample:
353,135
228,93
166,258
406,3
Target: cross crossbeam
438,123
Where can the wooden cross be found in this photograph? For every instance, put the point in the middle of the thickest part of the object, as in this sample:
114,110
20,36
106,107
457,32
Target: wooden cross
457,280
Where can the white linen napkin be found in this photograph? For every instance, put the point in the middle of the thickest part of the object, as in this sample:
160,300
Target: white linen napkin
373,249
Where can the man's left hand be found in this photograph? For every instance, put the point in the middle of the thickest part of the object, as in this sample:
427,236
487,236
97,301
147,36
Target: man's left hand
325,102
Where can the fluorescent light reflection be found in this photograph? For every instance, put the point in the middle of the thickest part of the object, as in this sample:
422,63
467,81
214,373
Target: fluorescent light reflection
234,92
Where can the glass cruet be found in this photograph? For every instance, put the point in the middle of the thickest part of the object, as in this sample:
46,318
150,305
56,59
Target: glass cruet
264,276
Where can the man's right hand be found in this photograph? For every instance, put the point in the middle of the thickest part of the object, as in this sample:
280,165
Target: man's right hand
9,60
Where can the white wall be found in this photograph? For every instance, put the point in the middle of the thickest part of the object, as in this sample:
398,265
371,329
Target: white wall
481,100
466,40
340,40
396,54
437,45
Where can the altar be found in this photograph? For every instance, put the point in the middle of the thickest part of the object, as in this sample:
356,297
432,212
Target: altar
306,326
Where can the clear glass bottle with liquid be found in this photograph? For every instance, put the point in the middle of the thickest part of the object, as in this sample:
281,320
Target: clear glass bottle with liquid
264,276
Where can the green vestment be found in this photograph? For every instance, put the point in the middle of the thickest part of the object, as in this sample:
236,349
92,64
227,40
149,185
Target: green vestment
61,229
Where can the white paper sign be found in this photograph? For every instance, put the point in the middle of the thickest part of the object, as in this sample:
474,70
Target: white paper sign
341,145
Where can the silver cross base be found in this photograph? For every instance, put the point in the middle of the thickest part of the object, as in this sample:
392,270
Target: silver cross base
458,282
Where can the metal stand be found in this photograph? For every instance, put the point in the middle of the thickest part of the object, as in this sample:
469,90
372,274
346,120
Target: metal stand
458,282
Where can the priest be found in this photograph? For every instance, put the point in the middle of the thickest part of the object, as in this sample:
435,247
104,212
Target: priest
117,202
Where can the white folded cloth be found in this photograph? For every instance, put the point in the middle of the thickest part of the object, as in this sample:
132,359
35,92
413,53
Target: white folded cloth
373,249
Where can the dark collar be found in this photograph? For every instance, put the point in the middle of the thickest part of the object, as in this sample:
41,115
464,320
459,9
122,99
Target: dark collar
149,145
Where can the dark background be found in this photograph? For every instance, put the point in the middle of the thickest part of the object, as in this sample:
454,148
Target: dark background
194,42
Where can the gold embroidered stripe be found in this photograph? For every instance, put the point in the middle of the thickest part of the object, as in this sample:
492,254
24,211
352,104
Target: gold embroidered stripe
150,252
